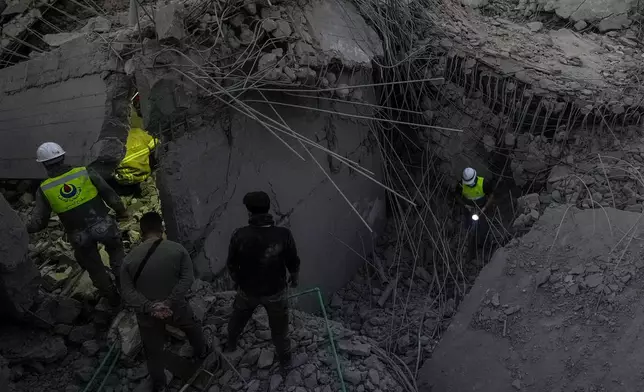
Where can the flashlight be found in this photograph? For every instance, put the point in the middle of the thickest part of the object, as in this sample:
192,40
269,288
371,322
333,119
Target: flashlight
475,217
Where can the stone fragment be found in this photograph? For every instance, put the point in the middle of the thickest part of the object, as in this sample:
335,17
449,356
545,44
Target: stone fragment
558,173
543,276
47,350
512,310
276,381
299,360
510,139
246,37
251,8
357,349
374,377
535,26
55,40
516,384
82,333
573,289
282,30
613,22
594,280
352,376
253,386
97,24
311,382
90,348
67,310
336,301
293,379
251,357
342,91
475,3
168,22
269,25
237,20
268,60
265,359
496,301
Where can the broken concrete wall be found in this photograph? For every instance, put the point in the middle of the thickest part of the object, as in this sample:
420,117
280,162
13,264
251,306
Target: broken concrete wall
19,278
205,174
72,96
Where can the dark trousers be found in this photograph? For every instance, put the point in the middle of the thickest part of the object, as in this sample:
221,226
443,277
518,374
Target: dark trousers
277,308
85,244
153,337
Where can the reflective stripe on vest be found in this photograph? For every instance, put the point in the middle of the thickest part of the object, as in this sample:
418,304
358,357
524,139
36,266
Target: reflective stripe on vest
69,190
474,192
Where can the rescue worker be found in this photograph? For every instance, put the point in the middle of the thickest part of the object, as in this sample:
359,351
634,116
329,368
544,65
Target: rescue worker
78,195
477,196
155,279
259,257
477,191
136,166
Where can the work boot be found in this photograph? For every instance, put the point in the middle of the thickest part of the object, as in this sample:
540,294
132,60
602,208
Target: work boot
230,346
285,361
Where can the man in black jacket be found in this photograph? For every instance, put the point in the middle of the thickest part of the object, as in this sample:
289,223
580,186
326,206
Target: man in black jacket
259,257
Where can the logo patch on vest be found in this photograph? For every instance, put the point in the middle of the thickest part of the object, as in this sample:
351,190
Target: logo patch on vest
69,191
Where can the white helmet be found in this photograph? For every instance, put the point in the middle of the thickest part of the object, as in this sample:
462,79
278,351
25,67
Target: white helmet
469,176
48,151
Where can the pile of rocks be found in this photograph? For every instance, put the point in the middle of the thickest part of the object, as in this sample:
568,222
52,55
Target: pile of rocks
605,15
387,302
528,210
365,367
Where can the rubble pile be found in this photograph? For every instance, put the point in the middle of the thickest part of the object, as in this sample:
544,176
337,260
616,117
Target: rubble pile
387,301
601,14
365,367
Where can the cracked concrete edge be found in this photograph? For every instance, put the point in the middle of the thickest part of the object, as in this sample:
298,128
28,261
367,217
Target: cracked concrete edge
109,149
455,62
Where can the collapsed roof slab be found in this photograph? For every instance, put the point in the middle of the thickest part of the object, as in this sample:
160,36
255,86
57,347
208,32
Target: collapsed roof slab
71,96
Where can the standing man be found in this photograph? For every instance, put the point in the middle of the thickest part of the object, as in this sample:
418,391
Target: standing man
477,195
259,257
78,195
155,279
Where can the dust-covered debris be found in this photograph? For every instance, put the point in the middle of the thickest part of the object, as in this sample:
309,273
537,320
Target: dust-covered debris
588,300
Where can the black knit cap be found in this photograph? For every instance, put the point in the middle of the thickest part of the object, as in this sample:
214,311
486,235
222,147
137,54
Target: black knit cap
257,202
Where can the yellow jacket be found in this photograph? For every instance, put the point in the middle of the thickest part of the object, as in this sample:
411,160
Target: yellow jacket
135,167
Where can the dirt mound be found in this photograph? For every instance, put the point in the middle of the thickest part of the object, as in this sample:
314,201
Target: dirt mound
556,310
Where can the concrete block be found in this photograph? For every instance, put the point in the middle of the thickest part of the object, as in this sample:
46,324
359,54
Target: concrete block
342,32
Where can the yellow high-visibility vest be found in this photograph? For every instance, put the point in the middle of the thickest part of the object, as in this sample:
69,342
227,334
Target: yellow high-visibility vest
474,192
135,166
69,190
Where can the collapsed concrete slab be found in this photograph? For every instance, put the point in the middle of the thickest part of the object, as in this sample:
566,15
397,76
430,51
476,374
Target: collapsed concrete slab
19,278
591,10
215,152
72,96
556,310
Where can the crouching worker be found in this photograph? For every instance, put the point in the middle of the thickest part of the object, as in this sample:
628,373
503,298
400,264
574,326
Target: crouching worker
138,162
259,257
155,279
79,196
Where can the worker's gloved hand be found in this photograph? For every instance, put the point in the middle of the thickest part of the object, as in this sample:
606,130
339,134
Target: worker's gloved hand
161,310
294,281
